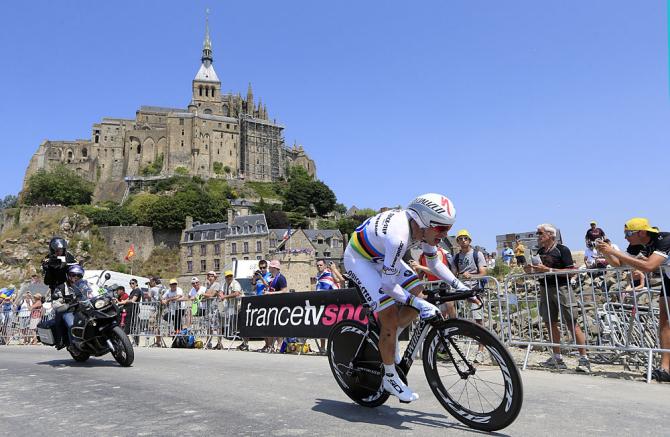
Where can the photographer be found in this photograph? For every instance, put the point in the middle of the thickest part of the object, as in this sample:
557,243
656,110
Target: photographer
262,277
55,265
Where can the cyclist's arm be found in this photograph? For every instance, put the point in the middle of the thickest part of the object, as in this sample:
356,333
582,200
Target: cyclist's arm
439,269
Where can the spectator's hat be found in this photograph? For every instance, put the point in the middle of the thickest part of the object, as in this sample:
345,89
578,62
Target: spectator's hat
212,272
173,281
639,224
228,273
194,280
464,233
593,222
275,264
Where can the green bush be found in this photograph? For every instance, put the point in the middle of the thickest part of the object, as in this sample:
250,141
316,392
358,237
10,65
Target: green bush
59,185
181,171
154,168
218,167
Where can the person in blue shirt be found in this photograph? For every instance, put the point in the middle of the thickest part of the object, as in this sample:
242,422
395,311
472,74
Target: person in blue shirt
262,277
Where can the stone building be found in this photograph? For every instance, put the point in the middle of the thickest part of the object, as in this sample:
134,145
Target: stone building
299,251
214,246
217,135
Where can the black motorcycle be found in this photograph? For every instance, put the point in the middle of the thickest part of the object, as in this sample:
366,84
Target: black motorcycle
95,331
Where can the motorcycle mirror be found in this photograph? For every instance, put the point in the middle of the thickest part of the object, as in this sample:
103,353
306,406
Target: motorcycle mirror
107,276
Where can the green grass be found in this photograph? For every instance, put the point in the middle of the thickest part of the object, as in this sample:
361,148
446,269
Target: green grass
266,190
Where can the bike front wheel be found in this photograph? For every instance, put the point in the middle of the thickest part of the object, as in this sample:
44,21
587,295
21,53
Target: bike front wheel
481,389
353,355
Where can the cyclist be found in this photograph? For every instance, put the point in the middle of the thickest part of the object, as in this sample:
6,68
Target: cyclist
373,260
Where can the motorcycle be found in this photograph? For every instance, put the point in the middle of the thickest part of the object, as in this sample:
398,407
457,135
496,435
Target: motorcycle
95,331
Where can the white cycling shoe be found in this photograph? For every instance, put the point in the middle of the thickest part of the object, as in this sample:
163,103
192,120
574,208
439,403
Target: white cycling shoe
394,385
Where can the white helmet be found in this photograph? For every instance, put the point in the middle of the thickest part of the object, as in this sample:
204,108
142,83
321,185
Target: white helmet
432,210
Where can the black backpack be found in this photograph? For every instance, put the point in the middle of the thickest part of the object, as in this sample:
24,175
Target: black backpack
475,255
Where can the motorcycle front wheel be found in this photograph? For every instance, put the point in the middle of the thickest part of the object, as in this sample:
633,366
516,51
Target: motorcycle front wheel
123,349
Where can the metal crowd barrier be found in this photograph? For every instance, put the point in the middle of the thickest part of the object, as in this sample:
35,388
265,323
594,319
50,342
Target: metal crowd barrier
492,312
19,326
208,319
619,319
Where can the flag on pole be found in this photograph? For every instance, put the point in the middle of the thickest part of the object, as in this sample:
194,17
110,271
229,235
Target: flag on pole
131,252
287,234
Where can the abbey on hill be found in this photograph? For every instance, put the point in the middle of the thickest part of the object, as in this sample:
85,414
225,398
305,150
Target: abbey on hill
217,135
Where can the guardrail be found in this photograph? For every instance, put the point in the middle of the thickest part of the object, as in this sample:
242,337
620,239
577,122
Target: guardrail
596,310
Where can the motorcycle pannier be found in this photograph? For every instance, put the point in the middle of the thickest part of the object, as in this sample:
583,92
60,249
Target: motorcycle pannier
45,331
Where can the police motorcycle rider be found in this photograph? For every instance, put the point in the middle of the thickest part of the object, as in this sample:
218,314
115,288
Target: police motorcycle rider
55,265
374,261
74,290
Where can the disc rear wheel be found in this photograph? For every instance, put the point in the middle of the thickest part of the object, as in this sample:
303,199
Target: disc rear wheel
360,378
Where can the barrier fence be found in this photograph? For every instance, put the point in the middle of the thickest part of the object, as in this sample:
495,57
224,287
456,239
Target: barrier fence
612,313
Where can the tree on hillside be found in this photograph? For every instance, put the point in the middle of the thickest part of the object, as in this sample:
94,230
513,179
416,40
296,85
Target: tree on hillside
303,193
170,211
9,201
60,185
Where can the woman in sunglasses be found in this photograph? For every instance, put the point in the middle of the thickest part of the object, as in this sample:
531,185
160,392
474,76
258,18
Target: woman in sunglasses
374,261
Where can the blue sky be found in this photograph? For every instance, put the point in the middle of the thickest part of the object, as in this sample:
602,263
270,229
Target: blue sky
522,112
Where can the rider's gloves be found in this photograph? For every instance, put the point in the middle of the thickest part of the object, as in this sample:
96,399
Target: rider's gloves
426,309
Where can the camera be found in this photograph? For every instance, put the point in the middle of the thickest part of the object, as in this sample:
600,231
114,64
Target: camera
258,273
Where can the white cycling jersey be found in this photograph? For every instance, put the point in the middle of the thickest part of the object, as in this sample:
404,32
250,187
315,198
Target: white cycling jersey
374,260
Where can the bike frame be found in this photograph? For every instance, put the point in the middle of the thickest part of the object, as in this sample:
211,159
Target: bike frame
420,332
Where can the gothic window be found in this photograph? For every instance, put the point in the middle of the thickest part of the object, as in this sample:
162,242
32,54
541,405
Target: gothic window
182,132
182,143
200,89
208,111
225,111
97,139
139,149
84,152
69,154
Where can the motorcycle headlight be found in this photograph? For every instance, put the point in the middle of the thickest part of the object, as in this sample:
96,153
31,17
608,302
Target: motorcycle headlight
100,303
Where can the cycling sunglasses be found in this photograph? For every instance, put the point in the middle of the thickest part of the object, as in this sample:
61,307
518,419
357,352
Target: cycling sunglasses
441,228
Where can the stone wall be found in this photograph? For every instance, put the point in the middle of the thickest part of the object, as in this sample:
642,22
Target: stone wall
298,263
119,238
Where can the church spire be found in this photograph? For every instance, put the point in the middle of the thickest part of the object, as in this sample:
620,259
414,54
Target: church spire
207,45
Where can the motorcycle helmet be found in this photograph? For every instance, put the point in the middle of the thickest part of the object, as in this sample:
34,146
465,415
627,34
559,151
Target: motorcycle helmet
75,269
57,243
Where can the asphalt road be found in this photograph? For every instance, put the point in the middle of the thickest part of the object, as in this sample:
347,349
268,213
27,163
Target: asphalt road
197,392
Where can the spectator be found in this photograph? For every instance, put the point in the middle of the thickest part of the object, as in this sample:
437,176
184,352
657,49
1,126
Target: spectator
277,284
325,281
262,277
469,262
594,232
230,293
132,306
556,294
34,279
648,251
26,303
36,312
507,254
210,307
491,262
520,253
121,294
174,298
195,295
153,294
154,290
592,258
5,316
448,309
